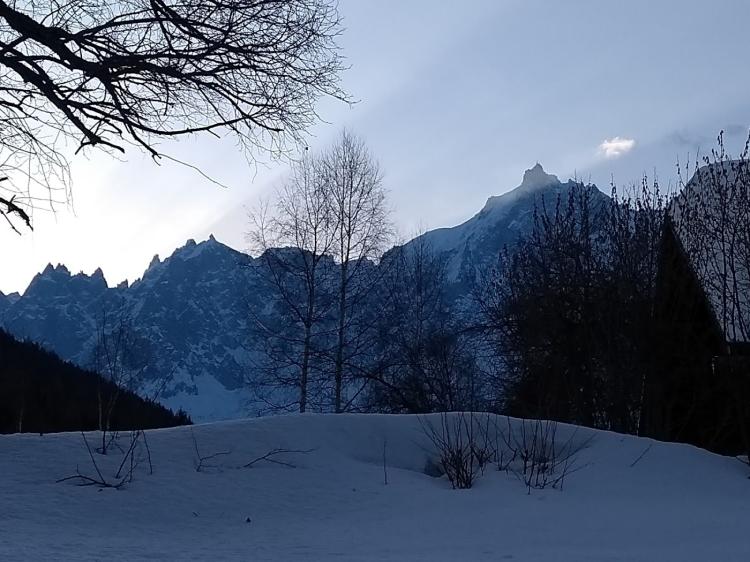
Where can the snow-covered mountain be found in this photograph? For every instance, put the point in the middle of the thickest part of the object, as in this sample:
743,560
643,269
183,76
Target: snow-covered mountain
7,300
477,242
191,311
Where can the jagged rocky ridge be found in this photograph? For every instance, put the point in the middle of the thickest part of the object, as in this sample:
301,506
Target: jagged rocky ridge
192,310
189,312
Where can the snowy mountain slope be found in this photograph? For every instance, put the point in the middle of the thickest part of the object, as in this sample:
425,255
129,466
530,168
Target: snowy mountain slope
635,500
4,303
190,311
504,218
7,300
58,310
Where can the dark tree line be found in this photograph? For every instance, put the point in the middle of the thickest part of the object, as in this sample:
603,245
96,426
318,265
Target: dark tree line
41,393
570,309
631,314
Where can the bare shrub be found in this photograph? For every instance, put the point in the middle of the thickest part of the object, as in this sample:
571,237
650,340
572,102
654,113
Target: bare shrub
133,455
433,468
463,447
537,456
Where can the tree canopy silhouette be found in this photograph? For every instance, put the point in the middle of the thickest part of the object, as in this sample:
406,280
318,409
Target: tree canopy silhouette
112,73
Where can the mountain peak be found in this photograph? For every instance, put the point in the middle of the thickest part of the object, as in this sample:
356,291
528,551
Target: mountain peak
153,265
536,177
192,249
58,270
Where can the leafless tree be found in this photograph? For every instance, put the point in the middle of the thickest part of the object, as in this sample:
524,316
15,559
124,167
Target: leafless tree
294,238
113,73
13,208
359,216
117,360
425,361
570,308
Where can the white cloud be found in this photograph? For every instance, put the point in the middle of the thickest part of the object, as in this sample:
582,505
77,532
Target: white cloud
616,147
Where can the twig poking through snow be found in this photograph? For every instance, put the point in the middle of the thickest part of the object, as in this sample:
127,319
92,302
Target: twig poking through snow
385,465
99,480
643,454
199,465
268,457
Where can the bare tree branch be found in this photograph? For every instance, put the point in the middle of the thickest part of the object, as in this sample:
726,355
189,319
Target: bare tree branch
113,73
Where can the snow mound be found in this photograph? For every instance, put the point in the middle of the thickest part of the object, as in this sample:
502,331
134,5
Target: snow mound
632,499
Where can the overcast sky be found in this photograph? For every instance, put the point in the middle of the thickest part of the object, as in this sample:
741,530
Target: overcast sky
456,99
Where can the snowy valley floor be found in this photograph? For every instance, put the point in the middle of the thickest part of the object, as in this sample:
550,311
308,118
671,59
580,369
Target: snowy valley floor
676,503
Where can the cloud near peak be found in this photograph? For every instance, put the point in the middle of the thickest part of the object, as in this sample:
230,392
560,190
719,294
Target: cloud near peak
616,147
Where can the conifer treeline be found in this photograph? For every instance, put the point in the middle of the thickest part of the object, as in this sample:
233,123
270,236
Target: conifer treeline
41,393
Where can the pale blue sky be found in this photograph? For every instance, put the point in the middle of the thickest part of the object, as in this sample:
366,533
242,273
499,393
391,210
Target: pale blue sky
457,99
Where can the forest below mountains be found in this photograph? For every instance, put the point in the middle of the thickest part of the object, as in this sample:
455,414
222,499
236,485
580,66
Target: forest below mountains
40,393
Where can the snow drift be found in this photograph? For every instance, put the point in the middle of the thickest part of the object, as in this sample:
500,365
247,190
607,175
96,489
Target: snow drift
632,499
